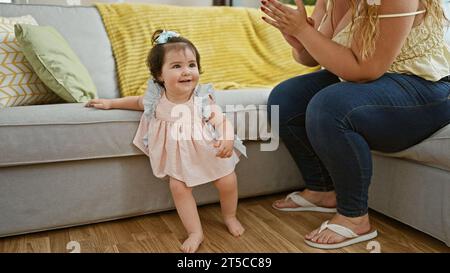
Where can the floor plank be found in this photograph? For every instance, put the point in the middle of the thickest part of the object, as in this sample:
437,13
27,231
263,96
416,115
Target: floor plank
267,230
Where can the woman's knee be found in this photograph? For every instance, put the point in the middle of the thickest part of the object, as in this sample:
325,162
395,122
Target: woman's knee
299,90
276,95
327,110
287,97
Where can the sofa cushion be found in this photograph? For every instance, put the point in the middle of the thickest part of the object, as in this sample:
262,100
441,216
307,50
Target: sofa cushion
19,84
64,132
83,29
433,151
55,62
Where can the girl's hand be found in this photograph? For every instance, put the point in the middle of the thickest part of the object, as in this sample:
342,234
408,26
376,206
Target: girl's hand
225,148
104,104
288,20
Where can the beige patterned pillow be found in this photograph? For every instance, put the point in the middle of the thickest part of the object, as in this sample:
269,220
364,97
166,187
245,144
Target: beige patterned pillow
19,84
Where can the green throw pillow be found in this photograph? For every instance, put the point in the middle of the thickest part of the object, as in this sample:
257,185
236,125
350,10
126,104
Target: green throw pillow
55,63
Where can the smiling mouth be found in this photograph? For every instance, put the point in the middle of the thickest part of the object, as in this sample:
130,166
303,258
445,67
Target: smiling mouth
185,81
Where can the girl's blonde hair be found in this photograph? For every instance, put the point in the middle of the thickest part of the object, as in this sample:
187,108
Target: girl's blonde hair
365,23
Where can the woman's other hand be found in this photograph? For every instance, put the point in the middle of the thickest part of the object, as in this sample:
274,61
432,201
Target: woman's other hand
292,41
288,20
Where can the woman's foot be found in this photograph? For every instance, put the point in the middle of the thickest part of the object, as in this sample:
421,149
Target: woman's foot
321,199
192,243
234,226
359,225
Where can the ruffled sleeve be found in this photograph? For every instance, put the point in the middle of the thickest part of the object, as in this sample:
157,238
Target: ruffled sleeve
151,99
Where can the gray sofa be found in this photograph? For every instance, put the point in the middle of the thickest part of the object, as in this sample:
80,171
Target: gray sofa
63,165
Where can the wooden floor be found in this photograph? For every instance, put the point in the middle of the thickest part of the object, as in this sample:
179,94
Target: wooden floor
267,230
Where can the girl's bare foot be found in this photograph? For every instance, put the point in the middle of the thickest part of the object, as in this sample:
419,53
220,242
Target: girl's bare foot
321,199
234,226
192,243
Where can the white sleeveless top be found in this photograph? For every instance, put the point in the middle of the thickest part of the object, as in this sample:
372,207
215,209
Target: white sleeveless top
424,54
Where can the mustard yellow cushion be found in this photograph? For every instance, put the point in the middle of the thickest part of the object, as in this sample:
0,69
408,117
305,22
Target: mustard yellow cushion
19,84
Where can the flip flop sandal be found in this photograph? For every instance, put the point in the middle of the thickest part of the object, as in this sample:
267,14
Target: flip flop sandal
351,237
304,204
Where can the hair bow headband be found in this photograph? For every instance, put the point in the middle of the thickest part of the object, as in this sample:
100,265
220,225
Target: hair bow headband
165,36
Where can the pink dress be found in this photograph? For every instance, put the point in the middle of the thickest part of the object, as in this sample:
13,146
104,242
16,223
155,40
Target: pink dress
176,151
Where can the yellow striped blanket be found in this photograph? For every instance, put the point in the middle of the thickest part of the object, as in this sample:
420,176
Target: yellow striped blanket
237,48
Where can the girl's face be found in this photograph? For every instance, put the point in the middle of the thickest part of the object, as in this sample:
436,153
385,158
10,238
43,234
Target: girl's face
180,71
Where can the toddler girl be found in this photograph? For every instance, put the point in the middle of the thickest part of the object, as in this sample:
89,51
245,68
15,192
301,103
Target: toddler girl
185,135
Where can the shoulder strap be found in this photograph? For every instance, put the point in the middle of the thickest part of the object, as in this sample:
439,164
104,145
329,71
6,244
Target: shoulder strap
395,15
328,10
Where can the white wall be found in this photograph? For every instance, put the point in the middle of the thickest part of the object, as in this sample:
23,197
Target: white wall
168,2
247,3
88,2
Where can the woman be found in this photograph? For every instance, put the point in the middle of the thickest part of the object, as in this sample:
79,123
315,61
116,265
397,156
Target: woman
384,87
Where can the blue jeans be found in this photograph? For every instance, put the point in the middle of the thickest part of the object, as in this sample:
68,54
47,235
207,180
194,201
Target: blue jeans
330,127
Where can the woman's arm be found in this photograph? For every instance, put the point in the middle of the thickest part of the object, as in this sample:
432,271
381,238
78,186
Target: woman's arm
344,62
332,18
130,103
299,53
